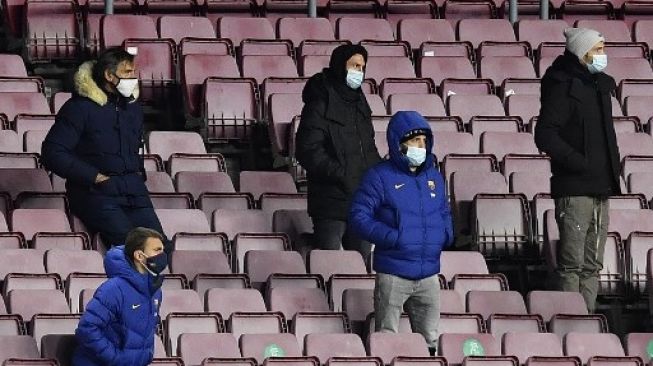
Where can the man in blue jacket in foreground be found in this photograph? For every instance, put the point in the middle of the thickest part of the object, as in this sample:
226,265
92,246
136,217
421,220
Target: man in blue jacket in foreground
120,322
401,206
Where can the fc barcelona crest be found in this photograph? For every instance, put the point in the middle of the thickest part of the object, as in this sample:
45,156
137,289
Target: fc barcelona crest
431,185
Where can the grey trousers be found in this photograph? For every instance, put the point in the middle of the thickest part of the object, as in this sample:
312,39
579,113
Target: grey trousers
421,299
583,224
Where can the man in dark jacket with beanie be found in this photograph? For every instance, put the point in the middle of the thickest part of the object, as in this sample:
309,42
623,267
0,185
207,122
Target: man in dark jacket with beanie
402,207
575,128
120,322
94,144
335,144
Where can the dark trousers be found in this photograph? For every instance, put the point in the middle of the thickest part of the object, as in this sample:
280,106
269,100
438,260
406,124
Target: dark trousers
113,220
329,234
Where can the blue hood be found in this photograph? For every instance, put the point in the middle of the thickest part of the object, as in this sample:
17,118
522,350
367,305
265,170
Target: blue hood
400,124
117,265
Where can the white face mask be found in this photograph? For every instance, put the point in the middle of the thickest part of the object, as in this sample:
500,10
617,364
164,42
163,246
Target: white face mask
126,87
416,156
355,78
599,63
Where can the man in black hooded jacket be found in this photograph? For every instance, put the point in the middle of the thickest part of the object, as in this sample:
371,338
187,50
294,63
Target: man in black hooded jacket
335,144
576,129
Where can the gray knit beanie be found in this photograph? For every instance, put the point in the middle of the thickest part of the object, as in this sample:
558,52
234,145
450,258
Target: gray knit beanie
581,40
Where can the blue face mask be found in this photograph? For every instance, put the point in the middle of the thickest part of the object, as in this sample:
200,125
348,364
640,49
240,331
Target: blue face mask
156,264
416,156
355,78
599,63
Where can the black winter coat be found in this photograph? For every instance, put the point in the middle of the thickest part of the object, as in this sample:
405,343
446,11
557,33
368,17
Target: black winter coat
335,144
575,128
95,132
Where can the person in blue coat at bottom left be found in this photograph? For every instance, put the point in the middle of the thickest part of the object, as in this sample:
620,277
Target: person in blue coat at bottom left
402,207
120,322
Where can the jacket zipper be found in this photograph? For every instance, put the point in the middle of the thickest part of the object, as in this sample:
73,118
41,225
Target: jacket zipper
421,211
360,141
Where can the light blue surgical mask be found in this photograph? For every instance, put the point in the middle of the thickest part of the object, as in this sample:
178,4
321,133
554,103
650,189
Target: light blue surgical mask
355,78
599,63
416,156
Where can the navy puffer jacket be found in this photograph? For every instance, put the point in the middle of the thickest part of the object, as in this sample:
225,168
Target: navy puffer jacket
405,214
120,322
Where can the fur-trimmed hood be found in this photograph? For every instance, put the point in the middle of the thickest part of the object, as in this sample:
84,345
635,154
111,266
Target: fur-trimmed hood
86,87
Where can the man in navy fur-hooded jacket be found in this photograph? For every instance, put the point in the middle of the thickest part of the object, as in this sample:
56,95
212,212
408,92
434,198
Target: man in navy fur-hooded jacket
401,206
94,144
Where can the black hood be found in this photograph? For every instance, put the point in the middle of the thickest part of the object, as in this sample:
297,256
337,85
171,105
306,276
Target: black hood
338,61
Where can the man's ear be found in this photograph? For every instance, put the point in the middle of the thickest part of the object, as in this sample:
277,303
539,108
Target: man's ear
109,76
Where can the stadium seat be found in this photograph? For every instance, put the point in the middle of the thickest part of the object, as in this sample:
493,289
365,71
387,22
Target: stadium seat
636,345
243,243
196,69
500,324
182,221
179,301
65,262
256,323
10,142
487,303
634,144
549,303
196,347
481,30
530,183
12,66
586,346
612,30
418,31
282,109
179,27
300,29
13,104
31,221
637,246
198,183
468,106
463,193
329,262
458,10
527,345
76,282
26,303
502,143
258,182
290,301
387,346
499,68
18,346
537,31
359,29
228,301
232,222
381,67
52,31
425,104
260,346
15,181
159,182
454,347
440,68
179,323
193,262
238,29
629,68
260,264
231,104
326,346
626,222
117,28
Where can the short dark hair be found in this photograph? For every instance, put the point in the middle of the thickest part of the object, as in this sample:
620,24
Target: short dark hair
109,60
136,240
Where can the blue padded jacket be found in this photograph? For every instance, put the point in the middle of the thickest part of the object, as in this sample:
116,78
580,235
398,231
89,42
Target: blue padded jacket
120,322
405,214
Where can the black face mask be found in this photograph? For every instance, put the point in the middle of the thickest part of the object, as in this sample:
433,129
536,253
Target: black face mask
156,264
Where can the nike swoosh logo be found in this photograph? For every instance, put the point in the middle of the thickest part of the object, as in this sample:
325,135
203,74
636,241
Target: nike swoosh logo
134,307
397,186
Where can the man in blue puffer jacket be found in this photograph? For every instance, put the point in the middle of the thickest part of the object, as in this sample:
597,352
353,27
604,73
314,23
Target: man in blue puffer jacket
120,322
401,206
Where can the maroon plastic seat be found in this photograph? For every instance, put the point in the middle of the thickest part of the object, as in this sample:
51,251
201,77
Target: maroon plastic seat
524,106
418,31
440,68
282,109
157,69
167,143
480,30
32,140
195,347
502,225
260,264
487,303
306,323
454,262
634,144
468,106
641,182
530,184
239,29
586,346
11,143
300,29
526,345
636,345
502,143
23,123
259,182
197,183
626,222
31,221
326,346
65,262
387,346
359,29
182,221
612,30
13,104
12,66
455,143
196,68
77,282
455,347
549,303
178,27
538,31
193,262
18,346
575,10
232,222
179,301
381,67
52,31
629,68
159,182
258,346
458,10
15,181
231,105
117,28
289,301
425,104
26,303
463,193
189,322
228,301
499,68
256,323
329,262
637,247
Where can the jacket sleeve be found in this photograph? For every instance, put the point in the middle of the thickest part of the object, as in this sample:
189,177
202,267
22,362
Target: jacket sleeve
57,151
362,219
100,312
445,212
312,136
555,111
